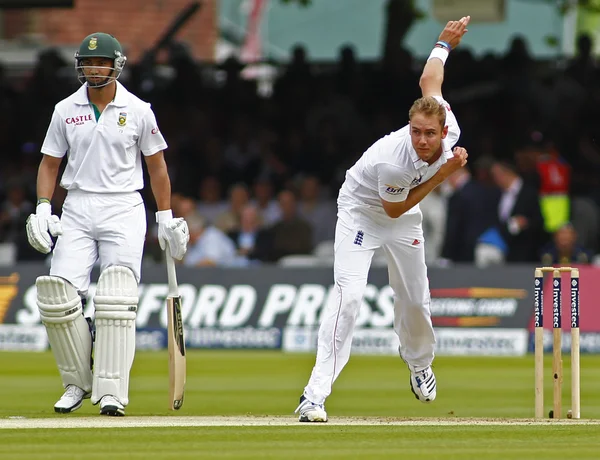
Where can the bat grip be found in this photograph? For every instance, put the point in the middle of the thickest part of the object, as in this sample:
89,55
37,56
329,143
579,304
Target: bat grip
171,275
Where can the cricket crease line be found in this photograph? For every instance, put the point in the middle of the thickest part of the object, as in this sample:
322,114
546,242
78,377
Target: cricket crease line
166,421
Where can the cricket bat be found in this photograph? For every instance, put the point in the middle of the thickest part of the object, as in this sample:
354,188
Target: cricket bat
175,341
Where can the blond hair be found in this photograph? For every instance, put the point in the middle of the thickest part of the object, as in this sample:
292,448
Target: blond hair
430,107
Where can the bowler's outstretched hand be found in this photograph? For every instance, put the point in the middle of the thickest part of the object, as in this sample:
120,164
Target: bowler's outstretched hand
454,31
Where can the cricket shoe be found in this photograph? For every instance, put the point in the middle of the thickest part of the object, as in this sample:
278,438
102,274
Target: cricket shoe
310,412
71,400
422,384
109,405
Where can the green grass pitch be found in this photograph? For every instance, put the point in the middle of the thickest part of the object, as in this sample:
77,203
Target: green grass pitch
266,386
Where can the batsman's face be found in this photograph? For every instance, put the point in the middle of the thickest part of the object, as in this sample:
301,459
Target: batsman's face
426,134
97,69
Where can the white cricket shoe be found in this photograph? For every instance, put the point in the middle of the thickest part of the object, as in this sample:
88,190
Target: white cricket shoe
423,385
109,405
71,400
310,412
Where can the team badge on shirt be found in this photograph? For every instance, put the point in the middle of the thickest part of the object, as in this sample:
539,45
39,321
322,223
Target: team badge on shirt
358,239
122,119
93,43
393,190
416,181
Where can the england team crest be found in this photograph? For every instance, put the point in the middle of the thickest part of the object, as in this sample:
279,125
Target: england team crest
93,43
122,119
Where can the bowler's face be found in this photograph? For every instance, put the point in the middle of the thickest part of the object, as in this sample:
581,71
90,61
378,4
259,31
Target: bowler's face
426,135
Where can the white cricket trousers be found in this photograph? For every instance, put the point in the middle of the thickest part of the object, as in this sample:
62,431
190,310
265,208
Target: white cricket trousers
105,227
359,232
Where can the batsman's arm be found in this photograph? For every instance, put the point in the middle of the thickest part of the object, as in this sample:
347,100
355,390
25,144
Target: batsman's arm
47,175
173,233
159,180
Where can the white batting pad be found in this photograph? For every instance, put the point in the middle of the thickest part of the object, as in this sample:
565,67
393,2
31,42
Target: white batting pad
68,331
115,302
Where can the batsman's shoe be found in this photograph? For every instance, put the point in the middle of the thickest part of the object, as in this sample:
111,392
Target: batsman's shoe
109,405
310,412
422,384
71,400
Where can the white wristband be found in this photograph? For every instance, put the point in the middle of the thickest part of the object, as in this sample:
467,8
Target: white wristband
163,216
440,53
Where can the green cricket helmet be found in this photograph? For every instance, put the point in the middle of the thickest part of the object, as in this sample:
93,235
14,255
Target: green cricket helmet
100,45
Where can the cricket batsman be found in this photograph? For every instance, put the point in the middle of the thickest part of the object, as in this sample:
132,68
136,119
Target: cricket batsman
378,207
104,131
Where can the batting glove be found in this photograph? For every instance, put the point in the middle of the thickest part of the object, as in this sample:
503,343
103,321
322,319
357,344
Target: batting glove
40,226
172,233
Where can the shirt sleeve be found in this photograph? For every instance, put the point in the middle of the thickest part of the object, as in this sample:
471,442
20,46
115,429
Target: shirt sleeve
451,123
55,143
393,182
150,140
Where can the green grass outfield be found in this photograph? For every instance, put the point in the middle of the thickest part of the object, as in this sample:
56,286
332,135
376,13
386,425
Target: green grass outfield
240,405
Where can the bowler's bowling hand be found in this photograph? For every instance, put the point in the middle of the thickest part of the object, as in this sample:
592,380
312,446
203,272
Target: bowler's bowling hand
454,31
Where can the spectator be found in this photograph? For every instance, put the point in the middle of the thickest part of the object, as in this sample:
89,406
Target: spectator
542,166
564,249
229,220
211,204
182,205
471,210
268,208
250,240
520,218
14,212
433,208
13,215
292,234
208,246
319,212
482,171
490,249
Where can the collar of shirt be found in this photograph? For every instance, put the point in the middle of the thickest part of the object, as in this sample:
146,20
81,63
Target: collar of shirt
120,100
446,153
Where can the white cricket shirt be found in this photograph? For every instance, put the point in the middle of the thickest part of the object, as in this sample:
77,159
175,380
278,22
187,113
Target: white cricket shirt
103,156
391,167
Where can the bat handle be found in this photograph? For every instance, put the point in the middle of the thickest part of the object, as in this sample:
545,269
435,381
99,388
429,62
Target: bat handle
171,275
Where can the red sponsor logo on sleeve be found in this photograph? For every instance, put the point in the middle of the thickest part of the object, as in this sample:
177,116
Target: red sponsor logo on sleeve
155,130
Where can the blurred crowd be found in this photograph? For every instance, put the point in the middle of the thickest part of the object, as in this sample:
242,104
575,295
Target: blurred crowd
256,172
